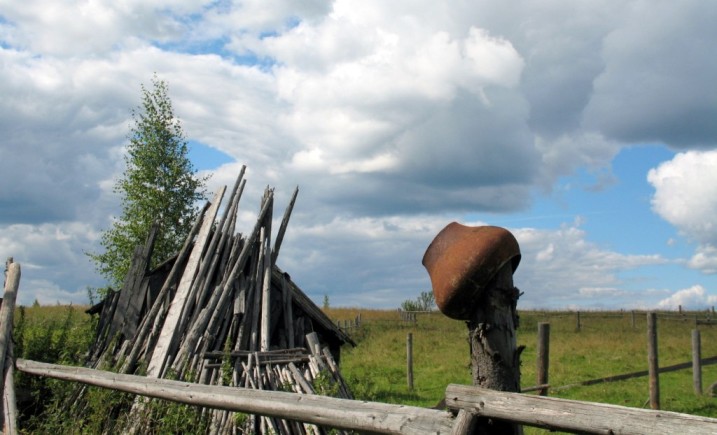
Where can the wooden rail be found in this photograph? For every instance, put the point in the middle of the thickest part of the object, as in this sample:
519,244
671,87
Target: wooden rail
574,416
546,412
321,410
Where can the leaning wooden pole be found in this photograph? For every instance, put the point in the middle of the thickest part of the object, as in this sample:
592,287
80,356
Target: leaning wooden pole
471,270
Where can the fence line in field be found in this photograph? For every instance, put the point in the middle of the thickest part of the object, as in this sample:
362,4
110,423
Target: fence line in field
653,370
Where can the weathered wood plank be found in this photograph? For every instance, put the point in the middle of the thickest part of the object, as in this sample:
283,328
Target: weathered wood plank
465,423
572,415
320,410
133,286
265,336
283,225
167,341
151,317
9,400
12,285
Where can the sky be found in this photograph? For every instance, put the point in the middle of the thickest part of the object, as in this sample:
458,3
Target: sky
588,129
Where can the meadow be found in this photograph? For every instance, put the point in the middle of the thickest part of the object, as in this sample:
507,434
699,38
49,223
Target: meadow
607,344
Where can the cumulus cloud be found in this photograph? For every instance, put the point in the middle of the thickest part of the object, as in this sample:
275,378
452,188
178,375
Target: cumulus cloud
686,196
692,298
385,113
562,267
642,94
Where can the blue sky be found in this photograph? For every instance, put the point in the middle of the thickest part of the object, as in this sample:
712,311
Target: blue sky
588,129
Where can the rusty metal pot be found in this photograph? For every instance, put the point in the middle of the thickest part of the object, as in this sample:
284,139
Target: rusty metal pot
462,260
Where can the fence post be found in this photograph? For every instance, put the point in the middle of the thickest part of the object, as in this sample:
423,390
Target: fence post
633,319
577,321
409,360
653,367
696,363
471,270
543,359
12,284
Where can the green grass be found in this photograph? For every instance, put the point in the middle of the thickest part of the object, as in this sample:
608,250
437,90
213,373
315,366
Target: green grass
607,344
376,368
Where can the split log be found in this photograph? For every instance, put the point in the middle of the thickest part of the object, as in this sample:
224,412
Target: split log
167,342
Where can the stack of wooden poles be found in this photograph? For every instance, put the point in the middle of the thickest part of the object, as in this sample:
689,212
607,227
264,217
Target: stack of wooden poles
219,313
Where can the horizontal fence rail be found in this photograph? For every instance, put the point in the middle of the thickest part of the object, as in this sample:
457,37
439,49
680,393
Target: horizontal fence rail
546,412
637,374
573,415
321,410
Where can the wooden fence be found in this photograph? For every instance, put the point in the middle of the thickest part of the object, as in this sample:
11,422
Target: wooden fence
465,403
545,412
697,318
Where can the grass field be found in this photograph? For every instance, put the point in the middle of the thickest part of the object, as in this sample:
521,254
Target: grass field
607,344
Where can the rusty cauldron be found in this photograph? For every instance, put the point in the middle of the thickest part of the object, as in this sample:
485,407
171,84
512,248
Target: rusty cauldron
462,260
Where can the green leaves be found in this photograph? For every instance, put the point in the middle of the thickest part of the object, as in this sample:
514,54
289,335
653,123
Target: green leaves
159,183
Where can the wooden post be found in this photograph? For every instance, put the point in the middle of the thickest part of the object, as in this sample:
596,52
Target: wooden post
543,358
495,359
12,284
9,400
633,319
409,360
577,321
653,366
471,270
696,361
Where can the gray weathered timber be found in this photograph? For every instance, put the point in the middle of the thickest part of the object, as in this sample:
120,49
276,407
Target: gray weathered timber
320,410
168,335
283,225
9,401
265,337
151,317
696,359
465,423
12,285
131,296
495,357
652,361
638,374
574,416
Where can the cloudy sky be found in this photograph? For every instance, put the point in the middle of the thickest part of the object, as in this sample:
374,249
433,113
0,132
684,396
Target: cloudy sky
589,129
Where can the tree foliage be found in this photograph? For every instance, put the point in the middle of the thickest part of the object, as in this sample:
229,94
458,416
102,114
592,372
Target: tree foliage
159,183
424,302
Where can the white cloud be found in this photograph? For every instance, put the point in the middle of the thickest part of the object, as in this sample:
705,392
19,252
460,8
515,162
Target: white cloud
562,267
704,259
378,110
692,298
686,196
